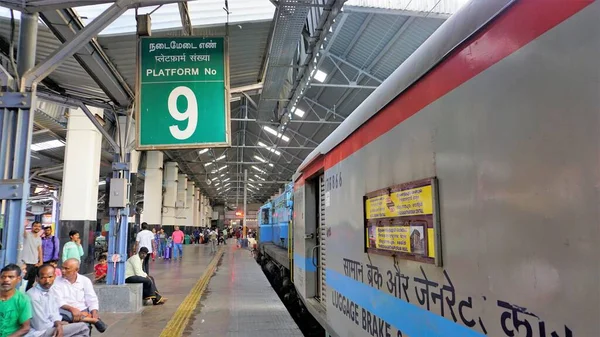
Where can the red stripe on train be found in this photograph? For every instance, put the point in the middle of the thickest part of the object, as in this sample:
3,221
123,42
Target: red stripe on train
525,21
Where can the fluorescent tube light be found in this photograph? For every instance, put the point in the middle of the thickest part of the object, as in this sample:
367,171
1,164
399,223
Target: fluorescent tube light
275,133
320,76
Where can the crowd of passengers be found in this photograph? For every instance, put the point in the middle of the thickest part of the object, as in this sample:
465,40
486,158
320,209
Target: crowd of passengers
59,302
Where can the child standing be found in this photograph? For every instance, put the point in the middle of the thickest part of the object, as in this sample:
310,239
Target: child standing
101,269
168,248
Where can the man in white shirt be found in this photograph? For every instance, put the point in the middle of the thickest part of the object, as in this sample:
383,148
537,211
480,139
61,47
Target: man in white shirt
135,274
145,238
76,296
47,320
212,236
32,254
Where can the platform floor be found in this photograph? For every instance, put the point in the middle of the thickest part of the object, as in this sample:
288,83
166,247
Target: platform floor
238,300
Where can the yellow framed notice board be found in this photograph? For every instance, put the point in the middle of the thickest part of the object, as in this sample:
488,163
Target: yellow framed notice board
403,220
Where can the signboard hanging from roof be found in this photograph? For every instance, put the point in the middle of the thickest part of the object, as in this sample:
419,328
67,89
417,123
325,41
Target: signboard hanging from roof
183,93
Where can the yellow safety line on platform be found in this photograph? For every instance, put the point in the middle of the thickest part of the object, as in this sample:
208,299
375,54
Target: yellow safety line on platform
180,318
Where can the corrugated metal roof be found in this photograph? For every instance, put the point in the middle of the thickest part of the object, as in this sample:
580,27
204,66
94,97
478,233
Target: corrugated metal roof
374,42
424,6
247,44
415,34
69,74
375,37
202,12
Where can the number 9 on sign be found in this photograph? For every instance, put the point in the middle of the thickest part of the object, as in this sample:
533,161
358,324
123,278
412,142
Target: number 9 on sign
190,114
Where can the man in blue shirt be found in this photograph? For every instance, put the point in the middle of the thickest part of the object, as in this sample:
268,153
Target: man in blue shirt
196,237
50,245
47,321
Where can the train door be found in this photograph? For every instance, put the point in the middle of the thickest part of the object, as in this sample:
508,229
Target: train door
321,243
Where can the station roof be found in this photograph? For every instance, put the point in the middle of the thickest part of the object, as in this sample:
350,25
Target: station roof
367,41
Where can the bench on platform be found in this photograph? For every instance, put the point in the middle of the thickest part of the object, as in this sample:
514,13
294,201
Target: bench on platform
125,298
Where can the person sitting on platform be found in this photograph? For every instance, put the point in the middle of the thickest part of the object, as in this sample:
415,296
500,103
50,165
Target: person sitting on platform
100,270
47,320
76,296
135,274
15,307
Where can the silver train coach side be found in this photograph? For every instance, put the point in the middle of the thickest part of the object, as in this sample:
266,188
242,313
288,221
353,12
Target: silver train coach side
500,109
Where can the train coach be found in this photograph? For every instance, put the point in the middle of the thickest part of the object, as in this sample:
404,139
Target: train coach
461,197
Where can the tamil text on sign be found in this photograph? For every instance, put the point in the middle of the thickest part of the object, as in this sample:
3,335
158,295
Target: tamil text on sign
183,93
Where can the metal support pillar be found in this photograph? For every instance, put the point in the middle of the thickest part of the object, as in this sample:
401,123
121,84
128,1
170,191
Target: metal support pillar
16,129
71,46
245,229
27,42
119,225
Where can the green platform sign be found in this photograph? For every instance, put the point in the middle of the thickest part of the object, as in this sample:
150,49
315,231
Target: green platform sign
183,93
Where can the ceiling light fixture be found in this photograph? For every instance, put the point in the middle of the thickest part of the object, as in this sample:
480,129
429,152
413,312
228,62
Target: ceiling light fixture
299,112
320,76
269,148
275,133
258,169
202,151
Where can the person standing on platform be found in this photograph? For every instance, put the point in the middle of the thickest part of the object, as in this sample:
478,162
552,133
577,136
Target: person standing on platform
156,244
212,237
225,235
168,249
177,243
135,274
162,242
73,249
196,236
144,238
50,245
32,256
